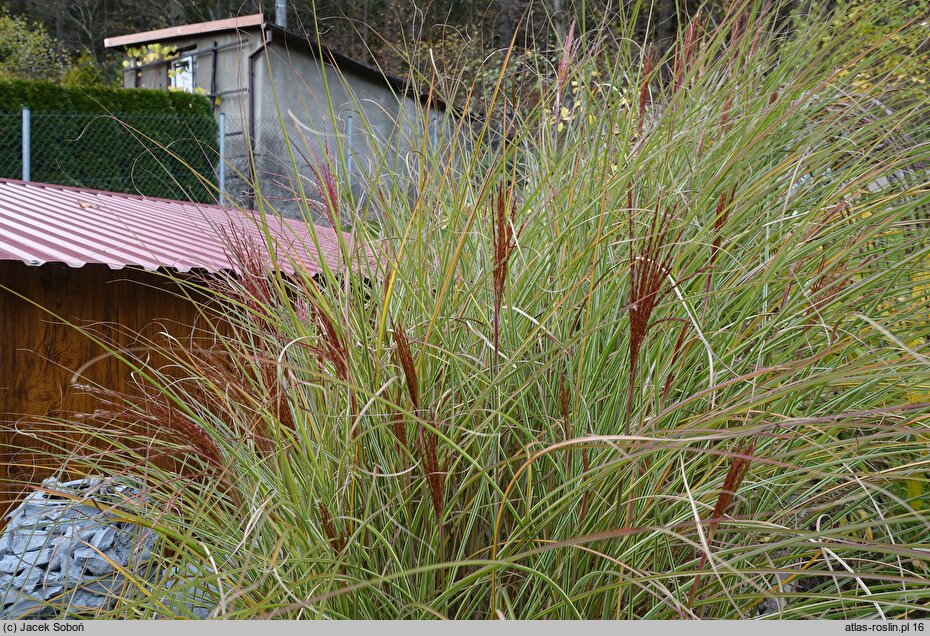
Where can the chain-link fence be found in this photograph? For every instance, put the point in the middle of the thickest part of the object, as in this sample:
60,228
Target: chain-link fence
287,166
171,156
198,158
288,160
191,158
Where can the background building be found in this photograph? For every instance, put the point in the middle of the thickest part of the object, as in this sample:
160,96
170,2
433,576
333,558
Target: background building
272,86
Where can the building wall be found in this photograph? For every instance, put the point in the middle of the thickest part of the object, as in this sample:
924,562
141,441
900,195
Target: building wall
40,353
365,128
349,122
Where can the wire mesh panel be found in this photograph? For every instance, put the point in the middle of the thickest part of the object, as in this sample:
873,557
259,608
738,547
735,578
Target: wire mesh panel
171,156
175,156
257,164
279,167
236,163
11,145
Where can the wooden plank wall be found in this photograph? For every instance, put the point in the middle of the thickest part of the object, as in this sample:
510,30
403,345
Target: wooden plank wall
39,354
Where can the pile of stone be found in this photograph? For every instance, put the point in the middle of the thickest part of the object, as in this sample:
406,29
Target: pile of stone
60,549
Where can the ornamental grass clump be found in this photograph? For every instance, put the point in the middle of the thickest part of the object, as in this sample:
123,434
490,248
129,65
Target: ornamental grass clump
660,349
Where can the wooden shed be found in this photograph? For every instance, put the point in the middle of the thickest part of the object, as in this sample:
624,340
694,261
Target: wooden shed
110,262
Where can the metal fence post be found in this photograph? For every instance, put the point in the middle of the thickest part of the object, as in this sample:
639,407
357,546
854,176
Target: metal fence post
221,169
27,144
349,153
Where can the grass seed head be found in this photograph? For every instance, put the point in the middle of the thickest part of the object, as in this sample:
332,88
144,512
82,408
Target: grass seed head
433,469
405,356
336,539
327,185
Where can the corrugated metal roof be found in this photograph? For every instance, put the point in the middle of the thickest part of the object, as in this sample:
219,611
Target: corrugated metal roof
41,223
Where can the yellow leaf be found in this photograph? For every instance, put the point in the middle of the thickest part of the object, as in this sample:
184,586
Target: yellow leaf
865,517
915,491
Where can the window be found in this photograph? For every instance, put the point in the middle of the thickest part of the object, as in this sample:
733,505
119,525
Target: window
182,74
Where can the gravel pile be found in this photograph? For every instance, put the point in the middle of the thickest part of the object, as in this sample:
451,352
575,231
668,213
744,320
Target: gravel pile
58,552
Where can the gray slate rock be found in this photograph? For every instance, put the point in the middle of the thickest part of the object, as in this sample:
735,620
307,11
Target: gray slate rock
13,564
56,551
27,541
57,555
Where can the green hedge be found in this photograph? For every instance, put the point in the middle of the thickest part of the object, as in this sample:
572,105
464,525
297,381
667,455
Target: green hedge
121,140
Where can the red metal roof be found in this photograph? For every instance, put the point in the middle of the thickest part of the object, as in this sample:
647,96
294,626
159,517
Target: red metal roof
41,223
184,30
